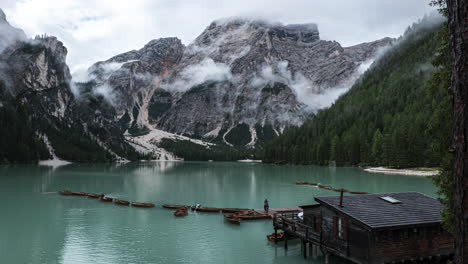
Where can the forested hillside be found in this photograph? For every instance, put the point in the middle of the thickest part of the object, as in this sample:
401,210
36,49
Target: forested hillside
397,115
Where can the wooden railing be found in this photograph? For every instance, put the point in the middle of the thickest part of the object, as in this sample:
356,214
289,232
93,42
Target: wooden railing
291,223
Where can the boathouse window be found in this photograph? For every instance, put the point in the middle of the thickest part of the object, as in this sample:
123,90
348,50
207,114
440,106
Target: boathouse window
339,227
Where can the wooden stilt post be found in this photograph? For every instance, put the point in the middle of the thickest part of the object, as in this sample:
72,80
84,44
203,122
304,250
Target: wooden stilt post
276,235
285,241
327,258
304,246
311,252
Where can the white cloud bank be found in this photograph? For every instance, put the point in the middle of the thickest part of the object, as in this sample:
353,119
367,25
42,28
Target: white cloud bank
94,30
193,75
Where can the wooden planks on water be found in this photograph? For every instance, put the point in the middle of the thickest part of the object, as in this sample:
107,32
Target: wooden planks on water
328,187
272,211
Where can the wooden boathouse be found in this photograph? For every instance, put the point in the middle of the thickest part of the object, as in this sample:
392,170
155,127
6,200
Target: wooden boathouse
371,228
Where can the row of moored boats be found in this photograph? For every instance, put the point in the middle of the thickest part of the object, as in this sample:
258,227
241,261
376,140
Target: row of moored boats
235,217
104,198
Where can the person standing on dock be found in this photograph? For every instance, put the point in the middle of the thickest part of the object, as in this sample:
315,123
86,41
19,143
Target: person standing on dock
266,206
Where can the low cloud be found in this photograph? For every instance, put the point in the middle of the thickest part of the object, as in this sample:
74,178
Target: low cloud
193,75
107,92
308,93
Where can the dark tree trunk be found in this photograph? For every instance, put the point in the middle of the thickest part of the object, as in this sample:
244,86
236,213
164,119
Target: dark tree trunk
458,32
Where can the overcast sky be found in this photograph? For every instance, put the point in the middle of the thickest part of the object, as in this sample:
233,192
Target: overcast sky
95,30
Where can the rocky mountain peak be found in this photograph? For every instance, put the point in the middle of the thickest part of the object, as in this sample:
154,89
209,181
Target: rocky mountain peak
9,35
53,45
238,30
2,17
240,82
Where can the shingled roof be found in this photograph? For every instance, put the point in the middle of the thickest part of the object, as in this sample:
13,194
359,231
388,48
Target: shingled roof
373,211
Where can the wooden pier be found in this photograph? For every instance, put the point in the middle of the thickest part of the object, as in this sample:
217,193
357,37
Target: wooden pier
273,211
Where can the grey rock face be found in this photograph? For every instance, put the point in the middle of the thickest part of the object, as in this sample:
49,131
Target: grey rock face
37,78
39,66
271,67
135,75
263,76
8,34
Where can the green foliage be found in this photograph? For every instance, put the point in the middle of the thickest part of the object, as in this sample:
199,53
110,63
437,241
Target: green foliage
18,141
239,135
71,143
445,180
164,103
392,117
441,5
137,131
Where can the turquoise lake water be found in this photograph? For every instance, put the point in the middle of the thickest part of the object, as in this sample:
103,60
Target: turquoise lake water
39,226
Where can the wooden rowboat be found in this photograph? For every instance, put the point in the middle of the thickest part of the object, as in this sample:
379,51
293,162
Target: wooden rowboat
65,192
121,202
78,193
208,209
183,211
279,237
147,205
232,219
325,187
254,217
233,210
107,199
306,183
95,195
356,192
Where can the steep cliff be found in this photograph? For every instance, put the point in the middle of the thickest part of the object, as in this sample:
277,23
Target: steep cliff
40,116
239,83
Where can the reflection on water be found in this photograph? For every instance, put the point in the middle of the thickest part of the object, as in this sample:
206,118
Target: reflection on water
40,226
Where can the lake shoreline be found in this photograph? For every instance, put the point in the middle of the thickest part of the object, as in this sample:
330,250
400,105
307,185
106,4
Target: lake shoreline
411,172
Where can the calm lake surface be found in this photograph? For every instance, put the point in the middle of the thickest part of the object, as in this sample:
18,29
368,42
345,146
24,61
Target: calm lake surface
39,226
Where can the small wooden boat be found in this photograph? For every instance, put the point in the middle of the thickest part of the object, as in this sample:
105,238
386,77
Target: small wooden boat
94,195
249,215
356,192
78,193
121,202
326,187
279,237
106,199
175,206
65,192
232,219
307,183
208,209
183,211
233,210
254,217
147,205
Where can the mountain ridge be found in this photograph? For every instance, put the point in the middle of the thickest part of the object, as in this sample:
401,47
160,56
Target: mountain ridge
241,74
239,84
